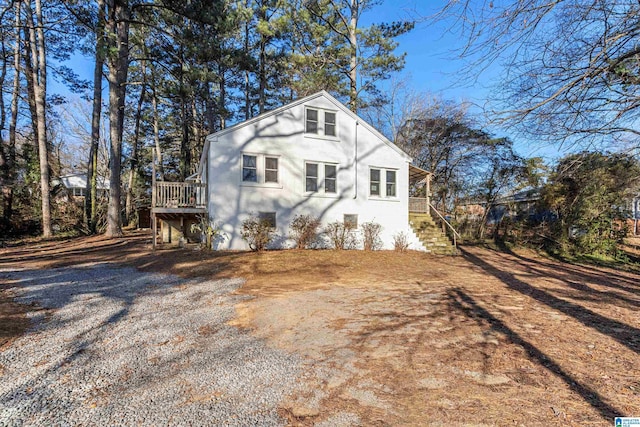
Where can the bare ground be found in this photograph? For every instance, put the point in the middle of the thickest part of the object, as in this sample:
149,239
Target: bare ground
487,338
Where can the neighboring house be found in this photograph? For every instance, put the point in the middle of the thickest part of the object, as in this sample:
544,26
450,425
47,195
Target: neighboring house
75,184
313,156
518,206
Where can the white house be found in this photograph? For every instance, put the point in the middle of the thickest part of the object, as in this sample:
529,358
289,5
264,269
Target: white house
76,184
313,156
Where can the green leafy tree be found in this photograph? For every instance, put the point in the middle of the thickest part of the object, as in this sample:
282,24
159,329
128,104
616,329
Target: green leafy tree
354,58
589,192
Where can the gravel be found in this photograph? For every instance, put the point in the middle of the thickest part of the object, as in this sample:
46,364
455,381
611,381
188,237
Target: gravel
123,347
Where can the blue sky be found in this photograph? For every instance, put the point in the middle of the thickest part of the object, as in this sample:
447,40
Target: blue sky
431,66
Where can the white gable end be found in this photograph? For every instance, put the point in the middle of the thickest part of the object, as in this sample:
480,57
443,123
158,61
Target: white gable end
313,156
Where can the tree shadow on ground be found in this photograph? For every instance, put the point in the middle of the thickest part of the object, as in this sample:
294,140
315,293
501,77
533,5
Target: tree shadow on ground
624,334
463,302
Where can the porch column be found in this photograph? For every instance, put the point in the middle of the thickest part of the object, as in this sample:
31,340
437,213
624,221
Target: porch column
428,192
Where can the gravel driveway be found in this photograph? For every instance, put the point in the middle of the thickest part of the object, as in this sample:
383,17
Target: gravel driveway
122,347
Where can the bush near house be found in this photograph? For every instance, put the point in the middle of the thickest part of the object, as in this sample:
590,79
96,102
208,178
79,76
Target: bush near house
258,233
341,235
371,236
304,230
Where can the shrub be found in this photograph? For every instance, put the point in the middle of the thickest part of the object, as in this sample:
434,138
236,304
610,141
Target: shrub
209,230
400,242
304,230
341,236
258,233
371,236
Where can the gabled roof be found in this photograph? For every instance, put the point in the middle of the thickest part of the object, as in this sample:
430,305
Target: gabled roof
339,105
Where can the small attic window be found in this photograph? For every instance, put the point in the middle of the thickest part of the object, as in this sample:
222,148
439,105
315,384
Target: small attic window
312,121
329,123
321,122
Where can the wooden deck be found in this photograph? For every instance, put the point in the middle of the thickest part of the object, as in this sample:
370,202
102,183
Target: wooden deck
176,201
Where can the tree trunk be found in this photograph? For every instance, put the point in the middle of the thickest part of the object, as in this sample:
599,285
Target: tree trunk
353,62
91,198
11,149
262,68
118,64
222,98
185,152
135,161
39,82
247,77
156,127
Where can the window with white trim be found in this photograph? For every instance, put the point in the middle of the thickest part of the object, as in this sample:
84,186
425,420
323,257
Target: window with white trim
311,176
374,182
321,122
311,121
330,178
383,182
260,169
249,168
391,183
321,177
329,123
271,169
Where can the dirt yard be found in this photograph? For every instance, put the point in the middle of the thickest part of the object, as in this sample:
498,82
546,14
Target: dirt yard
486,338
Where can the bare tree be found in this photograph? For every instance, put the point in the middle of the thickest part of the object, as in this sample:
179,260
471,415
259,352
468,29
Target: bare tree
571,65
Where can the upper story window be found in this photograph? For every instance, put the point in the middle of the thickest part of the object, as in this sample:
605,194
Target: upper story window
249,168
321,122
374,182
271,169
312,121
391,183
329,123
330,177
380,188
321,177
260,169
311,175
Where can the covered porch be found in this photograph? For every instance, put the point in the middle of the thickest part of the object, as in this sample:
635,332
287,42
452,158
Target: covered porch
420,178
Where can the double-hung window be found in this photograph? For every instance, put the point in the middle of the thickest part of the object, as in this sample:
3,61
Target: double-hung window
321,122
260,169
383,182
374,182
271,169
329,123
321,177
249,168
312,121
391,183
311,175
330,177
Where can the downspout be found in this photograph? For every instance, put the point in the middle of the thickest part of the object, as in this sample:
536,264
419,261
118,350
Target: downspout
355,163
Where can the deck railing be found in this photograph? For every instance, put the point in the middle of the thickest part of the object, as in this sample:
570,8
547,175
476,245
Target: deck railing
418,204
180,195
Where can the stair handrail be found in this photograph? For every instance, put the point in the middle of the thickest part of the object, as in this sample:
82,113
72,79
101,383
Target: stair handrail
454,232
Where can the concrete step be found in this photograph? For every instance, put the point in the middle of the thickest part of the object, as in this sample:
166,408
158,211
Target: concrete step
431,235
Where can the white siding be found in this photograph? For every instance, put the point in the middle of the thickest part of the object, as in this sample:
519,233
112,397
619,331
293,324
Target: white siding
282,135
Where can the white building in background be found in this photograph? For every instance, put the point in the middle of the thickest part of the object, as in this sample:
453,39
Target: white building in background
313,156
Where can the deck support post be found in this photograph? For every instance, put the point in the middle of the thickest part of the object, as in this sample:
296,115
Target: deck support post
154,229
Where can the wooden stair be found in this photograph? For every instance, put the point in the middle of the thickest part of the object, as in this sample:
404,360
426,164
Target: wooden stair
430,235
